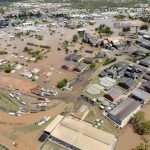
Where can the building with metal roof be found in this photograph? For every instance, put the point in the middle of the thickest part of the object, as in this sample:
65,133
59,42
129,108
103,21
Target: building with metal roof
126,83
124,111
146,86
145,62
68,65
140,95
114,94
76,134
80,67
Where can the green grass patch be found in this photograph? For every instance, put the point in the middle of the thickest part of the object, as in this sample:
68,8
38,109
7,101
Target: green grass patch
90,118
49,145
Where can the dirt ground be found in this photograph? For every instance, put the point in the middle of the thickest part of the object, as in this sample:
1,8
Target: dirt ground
21,133
15,83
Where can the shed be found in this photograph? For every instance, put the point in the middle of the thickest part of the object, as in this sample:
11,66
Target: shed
146,86
89,60
140,95
114,94
146,77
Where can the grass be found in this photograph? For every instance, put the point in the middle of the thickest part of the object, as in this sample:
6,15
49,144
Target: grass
90,118
109,127
8,103
49,145
33,127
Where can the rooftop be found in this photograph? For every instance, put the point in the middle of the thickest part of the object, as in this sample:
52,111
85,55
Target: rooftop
80,134
125,108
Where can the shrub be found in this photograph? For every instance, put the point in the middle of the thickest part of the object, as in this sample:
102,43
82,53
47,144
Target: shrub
3,52
93,65
140,125
8,68
75,38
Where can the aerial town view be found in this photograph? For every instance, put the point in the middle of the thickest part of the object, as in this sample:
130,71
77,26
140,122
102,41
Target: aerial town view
74,74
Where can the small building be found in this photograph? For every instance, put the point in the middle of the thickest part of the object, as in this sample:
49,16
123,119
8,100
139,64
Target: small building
140,95
145,44
114,94
89,60
80,68
70,57
68,65
74,57
126,83
78,58
126,26
145,62
122,113
146,77
146,86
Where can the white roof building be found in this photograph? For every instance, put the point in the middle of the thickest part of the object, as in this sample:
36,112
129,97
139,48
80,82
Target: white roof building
79,135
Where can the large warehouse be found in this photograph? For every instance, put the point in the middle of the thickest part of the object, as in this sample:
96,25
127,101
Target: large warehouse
78,135
124,111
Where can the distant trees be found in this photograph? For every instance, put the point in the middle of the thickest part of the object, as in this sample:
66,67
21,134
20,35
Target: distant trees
103,29
120,17
140,125
142,146
109,60
3,52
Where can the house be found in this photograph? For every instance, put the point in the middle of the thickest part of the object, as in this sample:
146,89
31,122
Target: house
89,60
76,134
70,57
126,83
145,62
122,113
78,58
146,86
88,38
68,65
74,57
114,94
140,95
80,68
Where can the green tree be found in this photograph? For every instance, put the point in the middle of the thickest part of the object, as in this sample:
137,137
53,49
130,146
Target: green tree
142,146
75,38
93,65
62,83
144,27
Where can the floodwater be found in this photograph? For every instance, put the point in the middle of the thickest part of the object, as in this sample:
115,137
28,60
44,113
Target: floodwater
128,138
